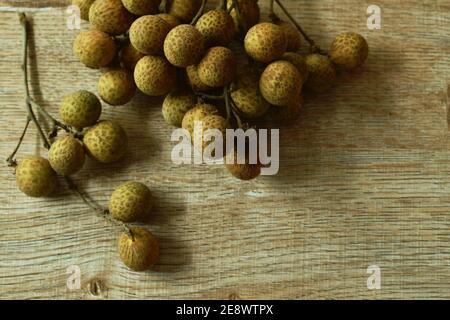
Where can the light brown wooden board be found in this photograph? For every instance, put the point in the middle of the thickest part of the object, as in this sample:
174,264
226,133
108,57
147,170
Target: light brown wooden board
364,178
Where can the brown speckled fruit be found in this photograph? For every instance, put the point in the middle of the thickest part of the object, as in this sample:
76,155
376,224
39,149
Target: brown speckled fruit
80,109
243,171
140,250
210,122
84,6
280,83
106,142
94,48
35,177
130,202
129,56
250,12
184,46
66,156
265,42
142,7
198,113
293,36
147,34
247,97
184,10
349,50
117,87
155,76
194,81
217,28
322,73
169,19
299,62
176,104
110,16
218,67
289,113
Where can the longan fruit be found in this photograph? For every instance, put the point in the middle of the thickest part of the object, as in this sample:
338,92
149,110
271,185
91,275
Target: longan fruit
218,67
242,171
184,10
110,16
147,34
169,19
66,155
322,73
117,87
194,81
142,7
289,113
35,177
265,42
130,202
293,36
184,46
198,113
299,62
349,50
138,250
129,57
217,28
94,48
250,13
80,109
155,76
209,122
84,6
176,104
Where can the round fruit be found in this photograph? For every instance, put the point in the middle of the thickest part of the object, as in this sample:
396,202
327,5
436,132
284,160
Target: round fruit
322,73
147,34
176,104
247,97
130,202
169,19
250,13
155,76
80,109
349,50
291,112
35,177
218,67
242,171
117,87
194,81
106,142
84,6
299,62
217,28
142,7
110,16
293,36
94,48
198,113
280,83
138,250
265,42
210,122
185,10
129,56
66,156
184,46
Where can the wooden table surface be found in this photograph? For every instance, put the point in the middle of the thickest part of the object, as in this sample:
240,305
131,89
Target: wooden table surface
364,177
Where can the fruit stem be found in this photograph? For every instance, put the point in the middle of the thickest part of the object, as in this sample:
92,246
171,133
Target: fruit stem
199,13
242,23
11,161
163,6
223,5
209,96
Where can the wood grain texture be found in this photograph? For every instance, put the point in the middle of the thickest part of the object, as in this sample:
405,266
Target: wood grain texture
364,178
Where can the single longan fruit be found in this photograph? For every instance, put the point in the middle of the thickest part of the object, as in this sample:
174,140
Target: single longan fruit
176,104
106,142
142,7
322,73
243,171
194,81
349,51
66,156
94,48
247,96
129,56
217,28
184,46
84,6
198,113
35,177
110,16
280,83
130,202
293,36
117,87
209,122
155,76
250,13
184,10
138,250
80,109
299,62
265,42
147,34
218,67
169,19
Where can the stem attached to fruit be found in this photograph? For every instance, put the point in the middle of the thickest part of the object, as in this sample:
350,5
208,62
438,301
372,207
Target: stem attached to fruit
199,13
209,96
11,161
242,22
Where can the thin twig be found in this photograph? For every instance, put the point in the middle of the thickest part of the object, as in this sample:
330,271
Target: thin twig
11,161
242,23
209,96
199,13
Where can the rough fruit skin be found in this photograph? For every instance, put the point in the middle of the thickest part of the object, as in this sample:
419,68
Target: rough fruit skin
176,104
129,56
246,95
142,7
293,36
147,34
169,19
299,62
250,13
265,42
66,156
184,10
110,16
140,251
322,73
218,67
106,142
84,6
130,202
194,81
155,76
291,112
349,50
184,46
35,177
280,83
217,28
245,171
80,109
94,48
117,87
212,121
198,113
